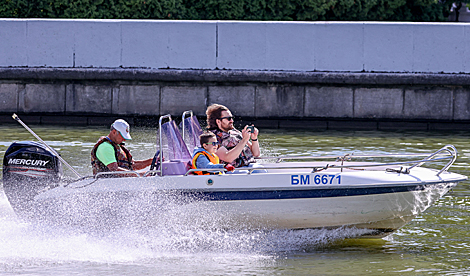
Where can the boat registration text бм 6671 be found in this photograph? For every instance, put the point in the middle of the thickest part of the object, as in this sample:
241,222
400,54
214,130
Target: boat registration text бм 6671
305,179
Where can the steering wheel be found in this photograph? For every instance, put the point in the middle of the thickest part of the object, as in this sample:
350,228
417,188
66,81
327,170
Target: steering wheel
156,161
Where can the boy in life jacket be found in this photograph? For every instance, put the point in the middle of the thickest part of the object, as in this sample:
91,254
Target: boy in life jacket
204,157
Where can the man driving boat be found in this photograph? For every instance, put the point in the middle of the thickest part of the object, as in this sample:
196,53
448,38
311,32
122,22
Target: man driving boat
110,155
237,148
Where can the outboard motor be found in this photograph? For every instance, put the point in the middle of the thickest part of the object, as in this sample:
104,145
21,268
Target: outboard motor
28,168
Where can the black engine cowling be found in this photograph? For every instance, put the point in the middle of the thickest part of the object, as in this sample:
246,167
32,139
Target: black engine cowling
28,167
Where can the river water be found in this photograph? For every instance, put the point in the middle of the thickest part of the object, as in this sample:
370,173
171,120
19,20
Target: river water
436,242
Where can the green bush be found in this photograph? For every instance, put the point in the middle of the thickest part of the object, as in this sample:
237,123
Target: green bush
296,10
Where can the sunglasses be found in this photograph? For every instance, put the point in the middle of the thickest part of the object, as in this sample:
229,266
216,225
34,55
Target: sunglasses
213,143
229,118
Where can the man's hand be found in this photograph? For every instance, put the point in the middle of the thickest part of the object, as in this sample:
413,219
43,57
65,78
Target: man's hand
246,133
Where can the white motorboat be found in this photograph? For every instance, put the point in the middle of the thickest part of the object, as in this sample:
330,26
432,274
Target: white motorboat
296,192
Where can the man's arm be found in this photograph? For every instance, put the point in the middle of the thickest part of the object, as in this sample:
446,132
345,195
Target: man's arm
114,167
254,146
140,164
230,155
137,165
105,153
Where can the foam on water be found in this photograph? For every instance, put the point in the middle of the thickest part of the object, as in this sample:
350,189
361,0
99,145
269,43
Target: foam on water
178,233
29,244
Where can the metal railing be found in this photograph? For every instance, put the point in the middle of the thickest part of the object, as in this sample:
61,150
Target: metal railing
448,150
168,116
184,117
117,173
342,157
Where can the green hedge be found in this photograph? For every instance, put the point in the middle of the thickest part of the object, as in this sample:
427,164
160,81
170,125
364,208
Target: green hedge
298,10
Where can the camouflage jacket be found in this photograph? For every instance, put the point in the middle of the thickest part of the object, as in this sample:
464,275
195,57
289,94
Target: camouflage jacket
229,140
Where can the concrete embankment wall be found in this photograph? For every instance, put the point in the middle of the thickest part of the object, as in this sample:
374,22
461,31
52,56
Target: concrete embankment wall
322,74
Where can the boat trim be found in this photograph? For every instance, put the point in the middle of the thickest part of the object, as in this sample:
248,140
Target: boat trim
261,194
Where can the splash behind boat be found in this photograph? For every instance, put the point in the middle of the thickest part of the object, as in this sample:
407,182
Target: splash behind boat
296,192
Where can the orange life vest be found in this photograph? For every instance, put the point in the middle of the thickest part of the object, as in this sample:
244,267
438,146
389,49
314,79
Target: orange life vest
213,158
123,156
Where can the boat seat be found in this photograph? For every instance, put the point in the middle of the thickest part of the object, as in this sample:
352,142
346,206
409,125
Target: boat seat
176,167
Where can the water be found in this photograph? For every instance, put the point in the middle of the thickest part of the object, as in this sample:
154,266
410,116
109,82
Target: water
436,242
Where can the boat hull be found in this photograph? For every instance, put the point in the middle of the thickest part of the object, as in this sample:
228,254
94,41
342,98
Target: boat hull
376,200
383,213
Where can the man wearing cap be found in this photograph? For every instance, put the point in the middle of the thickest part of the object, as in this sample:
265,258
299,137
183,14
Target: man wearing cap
110,154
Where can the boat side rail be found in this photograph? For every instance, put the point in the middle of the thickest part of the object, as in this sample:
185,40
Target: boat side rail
189,172
117,173
99,175
314,169
348,156
450,149
448,152
152,173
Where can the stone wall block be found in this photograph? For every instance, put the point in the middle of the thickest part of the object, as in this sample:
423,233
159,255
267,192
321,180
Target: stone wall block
436,48
192,44
169,44
151,50
138,99
239,99
290,46
333,102
13,46
378,103
89,99
462,104
98,43
339,46
428,103
466,42
241,45
177,99
50,43
42,98
390,50
279,101
9,97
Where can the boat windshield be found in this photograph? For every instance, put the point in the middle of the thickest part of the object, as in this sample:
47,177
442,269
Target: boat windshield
176,147
190,126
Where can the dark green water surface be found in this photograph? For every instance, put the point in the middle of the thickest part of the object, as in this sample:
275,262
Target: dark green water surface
435,243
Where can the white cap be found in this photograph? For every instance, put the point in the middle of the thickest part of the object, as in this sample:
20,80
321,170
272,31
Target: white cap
123,128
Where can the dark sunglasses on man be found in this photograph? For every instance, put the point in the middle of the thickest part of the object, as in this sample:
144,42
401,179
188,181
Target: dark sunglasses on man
229,118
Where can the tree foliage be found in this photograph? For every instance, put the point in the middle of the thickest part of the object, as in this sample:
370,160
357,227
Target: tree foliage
286,10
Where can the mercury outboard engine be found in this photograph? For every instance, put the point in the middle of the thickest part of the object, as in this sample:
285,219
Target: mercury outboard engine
28,167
